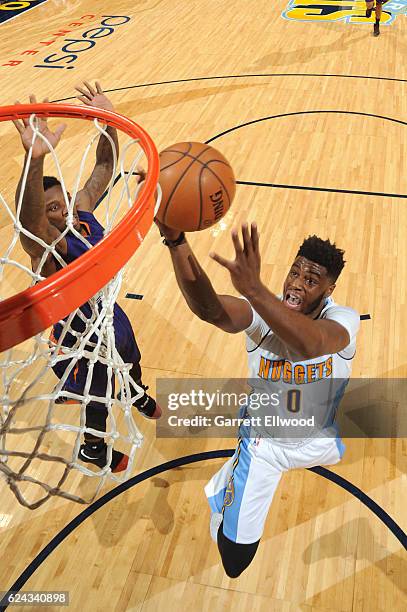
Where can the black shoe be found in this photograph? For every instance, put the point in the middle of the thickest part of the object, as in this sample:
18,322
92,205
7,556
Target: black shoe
62,399
147,405
369,13
376,30
97,455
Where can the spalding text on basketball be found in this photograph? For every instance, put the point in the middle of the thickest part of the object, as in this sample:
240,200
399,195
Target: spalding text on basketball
217,201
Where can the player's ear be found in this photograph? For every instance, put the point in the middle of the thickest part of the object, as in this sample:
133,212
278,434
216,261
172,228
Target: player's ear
330,289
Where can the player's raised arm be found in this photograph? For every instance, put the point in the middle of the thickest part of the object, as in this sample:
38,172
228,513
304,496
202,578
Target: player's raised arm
292,319
224,311
33,215
101,174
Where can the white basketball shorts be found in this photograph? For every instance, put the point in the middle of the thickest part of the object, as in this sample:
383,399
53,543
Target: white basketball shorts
244,487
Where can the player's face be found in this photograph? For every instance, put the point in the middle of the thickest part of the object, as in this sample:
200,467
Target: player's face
56,209
306,285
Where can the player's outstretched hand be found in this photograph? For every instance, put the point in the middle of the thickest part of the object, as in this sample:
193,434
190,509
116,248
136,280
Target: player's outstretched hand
93,96
40,148
245,269
167,232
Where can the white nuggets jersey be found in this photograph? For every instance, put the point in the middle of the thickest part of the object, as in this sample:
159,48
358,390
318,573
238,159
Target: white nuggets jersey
303,389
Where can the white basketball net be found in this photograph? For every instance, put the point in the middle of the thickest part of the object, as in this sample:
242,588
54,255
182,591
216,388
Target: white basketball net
39,438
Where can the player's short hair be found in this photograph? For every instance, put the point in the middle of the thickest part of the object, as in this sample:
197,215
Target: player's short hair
324,253
50,181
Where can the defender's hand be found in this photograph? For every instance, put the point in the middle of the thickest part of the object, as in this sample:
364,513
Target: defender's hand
40,148
94,96
245,269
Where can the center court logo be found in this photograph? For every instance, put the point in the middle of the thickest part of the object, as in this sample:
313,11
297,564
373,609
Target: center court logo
341,10
9,10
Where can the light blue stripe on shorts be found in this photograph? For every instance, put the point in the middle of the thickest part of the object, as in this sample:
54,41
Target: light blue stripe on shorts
233,500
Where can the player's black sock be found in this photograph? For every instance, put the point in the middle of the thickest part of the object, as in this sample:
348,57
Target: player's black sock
235,557
376,28
369,12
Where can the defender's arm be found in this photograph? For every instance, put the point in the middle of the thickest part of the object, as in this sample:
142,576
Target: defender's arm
98,181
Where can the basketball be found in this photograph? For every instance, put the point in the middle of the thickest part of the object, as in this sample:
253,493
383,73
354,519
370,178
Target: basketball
198,186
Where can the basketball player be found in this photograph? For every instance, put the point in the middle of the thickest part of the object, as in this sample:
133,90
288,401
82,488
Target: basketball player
303,336
378,13
44,214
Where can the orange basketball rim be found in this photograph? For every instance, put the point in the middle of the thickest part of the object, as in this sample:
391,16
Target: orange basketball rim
35,309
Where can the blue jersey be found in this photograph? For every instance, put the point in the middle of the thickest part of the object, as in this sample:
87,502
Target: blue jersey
93,231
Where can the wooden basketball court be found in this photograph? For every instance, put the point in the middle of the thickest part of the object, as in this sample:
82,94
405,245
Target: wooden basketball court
311,110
